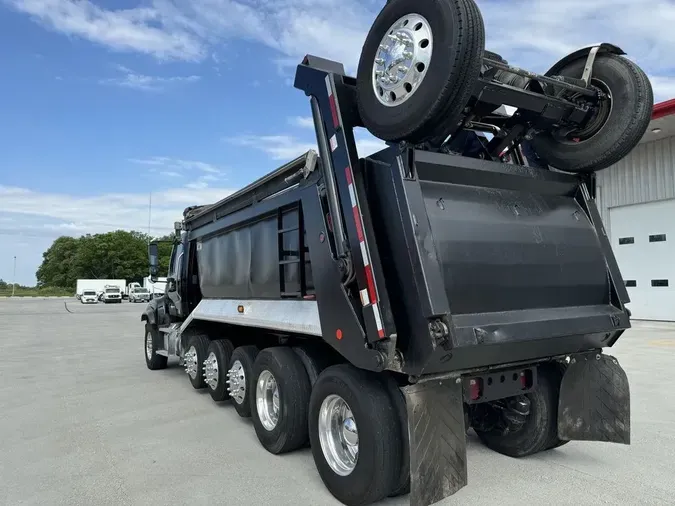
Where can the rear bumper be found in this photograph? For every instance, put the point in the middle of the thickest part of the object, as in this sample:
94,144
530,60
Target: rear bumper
488,341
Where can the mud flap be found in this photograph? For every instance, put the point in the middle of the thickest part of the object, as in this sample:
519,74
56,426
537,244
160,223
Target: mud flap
437,440
594,401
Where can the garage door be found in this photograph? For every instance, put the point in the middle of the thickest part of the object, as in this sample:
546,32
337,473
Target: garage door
643,240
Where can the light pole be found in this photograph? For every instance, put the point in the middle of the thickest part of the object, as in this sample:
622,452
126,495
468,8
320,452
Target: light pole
14,276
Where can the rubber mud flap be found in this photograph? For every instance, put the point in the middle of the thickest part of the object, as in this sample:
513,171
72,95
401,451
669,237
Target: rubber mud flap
437,440
594,401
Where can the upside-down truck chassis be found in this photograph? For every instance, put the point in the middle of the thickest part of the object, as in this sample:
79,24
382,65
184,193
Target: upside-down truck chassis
378,308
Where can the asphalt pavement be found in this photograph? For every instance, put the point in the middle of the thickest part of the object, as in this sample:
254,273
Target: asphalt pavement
84,422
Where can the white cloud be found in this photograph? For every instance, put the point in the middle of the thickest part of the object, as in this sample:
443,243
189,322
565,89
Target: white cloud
54,214
529,33
142,82
287,147
178,165
140,30
301,121
664,87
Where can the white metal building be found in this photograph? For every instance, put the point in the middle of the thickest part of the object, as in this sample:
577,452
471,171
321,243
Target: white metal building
636,198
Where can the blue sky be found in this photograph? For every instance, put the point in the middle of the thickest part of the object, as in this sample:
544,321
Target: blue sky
103,102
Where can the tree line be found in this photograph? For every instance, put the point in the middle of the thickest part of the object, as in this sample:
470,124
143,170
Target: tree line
113,255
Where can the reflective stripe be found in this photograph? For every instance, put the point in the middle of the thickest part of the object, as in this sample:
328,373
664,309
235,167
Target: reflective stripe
369,294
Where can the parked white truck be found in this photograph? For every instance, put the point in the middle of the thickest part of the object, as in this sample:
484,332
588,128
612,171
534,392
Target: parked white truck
98,285
112,293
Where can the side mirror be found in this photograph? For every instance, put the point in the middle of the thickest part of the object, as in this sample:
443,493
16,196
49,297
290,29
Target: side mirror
153,257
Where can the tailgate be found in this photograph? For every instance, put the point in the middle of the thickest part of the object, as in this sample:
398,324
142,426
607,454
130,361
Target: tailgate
513,259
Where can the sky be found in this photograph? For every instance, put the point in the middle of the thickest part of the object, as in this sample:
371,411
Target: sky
105,103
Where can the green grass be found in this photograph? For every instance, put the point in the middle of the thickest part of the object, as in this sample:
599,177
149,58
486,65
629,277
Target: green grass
37,292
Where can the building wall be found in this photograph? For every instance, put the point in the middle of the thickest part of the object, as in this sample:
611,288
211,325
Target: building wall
645,175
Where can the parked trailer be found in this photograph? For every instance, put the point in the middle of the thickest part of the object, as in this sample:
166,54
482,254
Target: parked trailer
377,308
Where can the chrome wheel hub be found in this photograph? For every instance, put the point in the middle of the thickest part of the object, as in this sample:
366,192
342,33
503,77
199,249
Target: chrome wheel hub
267,400
211,371
190,362
402,60
236,382
148,345
338,435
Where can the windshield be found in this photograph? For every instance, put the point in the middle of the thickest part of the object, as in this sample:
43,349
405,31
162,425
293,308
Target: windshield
112,290
141,290
89,292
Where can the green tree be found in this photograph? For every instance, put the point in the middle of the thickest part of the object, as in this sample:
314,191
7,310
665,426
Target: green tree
114,255
58,264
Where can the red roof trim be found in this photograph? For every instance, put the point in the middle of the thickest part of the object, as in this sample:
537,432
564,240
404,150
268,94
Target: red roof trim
664,109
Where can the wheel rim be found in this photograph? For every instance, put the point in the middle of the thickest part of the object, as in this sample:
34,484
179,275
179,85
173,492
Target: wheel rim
236,380
191,362
211,371
148,345
267,400
597,121
402,60
338,435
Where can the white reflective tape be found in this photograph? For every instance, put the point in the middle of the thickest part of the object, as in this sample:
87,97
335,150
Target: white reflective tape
333,143
364,254
365,300
328,86
378,320
352,195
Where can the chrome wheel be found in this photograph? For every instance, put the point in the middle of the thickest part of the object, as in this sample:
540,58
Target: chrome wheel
338,435
148,345
267,400
402,60
190,362
211,371
236,381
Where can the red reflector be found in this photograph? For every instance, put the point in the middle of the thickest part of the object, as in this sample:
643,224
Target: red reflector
475,389
523,380
338,334
333,111
370,284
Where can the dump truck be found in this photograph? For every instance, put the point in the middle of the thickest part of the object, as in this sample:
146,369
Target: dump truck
378,308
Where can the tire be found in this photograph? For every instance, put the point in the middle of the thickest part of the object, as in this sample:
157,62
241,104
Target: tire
540,430
152,360
290,430
402,486
241,399
313,360
376,471
632,103
437,103
557,371
215,374
195,369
